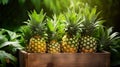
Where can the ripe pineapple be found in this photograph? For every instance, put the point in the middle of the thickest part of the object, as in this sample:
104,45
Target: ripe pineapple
70,39
55,34
35,33
37,44
88,43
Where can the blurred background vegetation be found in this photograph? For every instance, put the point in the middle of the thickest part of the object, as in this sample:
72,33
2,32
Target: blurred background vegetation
14,12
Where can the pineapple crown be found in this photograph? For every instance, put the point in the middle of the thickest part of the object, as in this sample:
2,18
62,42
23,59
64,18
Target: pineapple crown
56,27
90,20
73,22
36,23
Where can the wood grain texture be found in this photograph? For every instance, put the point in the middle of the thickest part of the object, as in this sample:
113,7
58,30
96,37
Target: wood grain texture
64,59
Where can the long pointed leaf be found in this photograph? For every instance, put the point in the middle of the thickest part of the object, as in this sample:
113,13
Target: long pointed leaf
113,35
14,44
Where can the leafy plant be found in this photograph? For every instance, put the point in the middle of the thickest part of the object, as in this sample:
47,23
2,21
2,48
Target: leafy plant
107,38
109,41
9,43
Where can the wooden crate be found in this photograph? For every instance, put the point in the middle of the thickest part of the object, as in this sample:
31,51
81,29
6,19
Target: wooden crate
64,59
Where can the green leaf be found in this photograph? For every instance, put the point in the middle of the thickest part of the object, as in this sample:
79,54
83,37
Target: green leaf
14,44
2,39
50,25
92,15
36,17
99,23
113,35
26,32
13,35
4,55
114,50
109,30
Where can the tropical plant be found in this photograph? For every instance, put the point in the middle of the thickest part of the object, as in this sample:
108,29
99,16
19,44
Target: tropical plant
35,32
70,39
56,30
107,38
91,22
109,41
9,43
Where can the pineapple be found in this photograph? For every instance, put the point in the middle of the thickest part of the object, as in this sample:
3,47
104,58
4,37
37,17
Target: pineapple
35,33
55,34
91,22
70,41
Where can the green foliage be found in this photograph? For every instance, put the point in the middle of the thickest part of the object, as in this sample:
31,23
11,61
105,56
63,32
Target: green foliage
110,12
9,43
91,20
34,26
6,57
73,22
26,34
36,18
36,23
56,26
4,2
107,38
109,41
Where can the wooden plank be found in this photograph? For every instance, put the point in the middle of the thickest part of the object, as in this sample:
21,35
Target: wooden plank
64,59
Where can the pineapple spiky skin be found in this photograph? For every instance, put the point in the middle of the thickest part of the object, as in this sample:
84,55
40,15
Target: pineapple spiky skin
37,45
88,44
54,47
69,44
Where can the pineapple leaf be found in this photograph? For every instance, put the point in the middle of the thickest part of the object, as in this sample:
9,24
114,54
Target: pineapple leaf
91,22
26,32
37,23
38,18
55,26
50,25
92,15
73,22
